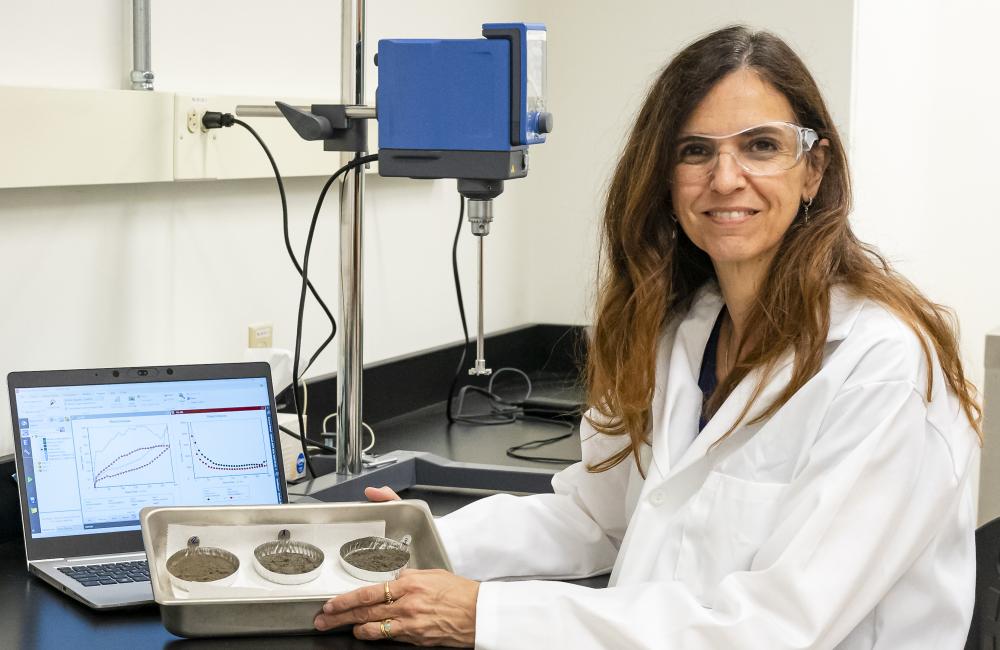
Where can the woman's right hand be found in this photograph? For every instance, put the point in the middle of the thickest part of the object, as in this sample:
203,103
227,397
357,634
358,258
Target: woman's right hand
384,493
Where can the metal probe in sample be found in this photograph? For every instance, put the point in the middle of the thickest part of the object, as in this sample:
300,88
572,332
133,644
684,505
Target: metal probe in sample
480,216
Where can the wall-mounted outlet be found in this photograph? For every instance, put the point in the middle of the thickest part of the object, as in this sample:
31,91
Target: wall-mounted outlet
195,155
194,120
260,336
201,153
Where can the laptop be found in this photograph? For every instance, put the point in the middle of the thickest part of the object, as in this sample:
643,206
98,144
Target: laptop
93,447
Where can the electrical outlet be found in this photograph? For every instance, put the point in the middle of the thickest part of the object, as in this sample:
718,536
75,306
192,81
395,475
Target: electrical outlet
204,154
260,336
195,155
194,120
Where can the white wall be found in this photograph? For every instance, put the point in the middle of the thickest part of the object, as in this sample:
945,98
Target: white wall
924,156
173,272
924,152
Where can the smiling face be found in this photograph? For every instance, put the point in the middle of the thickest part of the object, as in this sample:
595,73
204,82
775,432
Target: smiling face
735,217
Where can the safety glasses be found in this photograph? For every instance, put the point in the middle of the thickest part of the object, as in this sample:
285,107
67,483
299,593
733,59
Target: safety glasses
763,150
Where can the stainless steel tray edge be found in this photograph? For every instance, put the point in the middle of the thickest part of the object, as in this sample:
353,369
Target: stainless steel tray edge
280,615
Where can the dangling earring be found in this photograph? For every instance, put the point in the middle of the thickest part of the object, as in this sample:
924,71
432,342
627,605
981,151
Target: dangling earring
806,205
673,231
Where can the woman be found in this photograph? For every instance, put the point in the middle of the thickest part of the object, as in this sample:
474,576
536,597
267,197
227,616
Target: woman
779,447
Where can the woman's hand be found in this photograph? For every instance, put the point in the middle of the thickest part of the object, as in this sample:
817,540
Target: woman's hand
428,608
385,493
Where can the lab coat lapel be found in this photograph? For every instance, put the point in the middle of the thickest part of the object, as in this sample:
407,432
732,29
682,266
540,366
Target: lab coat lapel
677,406
689,473
844,310
680,406
730,410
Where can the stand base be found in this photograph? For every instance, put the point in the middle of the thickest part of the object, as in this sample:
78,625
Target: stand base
413,468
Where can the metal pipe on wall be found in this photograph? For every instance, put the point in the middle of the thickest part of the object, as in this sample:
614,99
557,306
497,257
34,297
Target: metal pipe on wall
142,66
349,367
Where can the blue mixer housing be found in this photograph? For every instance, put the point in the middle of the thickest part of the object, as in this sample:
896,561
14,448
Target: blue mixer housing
461,95
444,95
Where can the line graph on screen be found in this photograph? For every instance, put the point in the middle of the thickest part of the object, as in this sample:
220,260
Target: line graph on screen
228,447
129,455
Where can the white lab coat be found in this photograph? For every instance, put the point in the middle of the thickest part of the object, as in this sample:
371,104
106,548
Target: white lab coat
845,520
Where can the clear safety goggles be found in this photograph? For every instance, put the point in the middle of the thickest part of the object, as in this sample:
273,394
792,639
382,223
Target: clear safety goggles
763,150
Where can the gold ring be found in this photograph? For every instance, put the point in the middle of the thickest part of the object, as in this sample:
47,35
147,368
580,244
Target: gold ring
388,596
386,626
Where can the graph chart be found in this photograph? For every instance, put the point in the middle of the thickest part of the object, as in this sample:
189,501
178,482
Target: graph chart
129,455
228,447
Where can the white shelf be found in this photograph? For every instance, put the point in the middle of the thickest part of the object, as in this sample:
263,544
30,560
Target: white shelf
85,137
58,137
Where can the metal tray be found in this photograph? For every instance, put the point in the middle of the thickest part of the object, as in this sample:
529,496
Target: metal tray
283,615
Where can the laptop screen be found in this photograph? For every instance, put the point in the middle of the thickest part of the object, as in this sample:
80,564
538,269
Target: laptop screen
94,455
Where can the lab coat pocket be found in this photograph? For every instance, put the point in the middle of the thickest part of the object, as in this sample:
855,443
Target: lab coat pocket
726,524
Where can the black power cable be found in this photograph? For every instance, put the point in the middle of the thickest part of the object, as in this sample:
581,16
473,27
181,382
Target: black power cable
461,308
215,120
284,227
505,414
535,444
357,162
501,411
312,443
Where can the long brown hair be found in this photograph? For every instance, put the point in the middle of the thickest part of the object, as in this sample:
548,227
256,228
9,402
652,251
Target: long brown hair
650,271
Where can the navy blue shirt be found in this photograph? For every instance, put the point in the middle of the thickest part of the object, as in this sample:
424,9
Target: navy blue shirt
707,380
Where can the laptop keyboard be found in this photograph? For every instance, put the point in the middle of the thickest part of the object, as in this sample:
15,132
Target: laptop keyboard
93,575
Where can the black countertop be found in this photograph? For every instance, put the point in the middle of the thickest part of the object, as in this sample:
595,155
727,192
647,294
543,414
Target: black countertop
426,430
